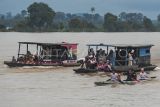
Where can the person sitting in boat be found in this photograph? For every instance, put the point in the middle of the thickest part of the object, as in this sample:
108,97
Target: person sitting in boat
100,66
102,57
87,62
35,58
81,61
105,66
143,75
131,76
91,52
21,59
114,76
119,78
109,66
93,63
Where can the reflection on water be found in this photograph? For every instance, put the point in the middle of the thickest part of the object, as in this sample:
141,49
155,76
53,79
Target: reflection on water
58,86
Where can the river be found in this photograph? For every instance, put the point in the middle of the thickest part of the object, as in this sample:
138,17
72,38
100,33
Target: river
61,87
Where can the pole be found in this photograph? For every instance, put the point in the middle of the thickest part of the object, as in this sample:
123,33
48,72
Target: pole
19,49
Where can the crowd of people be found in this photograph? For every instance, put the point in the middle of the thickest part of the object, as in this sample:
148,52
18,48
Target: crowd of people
104,61
27,58
99,60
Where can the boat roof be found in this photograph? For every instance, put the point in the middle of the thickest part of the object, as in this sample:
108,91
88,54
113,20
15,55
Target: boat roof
122,45
49,44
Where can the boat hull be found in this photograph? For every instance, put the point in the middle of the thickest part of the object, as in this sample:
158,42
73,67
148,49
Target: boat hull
103,83
16,64
116,68
71,64
84,70
134,68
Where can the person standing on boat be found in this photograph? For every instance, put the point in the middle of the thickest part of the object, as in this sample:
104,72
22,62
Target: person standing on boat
133,56
130,59
143,75
70,53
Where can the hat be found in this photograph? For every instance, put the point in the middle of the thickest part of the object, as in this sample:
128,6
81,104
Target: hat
90,56
142,69
132,51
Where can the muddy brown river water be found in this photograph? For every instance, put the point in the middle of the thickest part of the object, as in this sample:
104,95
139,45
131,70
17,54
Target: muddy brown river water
61,87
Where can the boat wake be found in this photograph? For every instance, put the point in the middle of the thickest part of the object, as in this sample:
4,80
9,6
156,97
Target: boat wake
157,68
40,67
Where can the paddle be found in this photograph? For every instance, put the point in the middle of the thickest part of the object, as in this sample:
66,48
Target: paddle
108,80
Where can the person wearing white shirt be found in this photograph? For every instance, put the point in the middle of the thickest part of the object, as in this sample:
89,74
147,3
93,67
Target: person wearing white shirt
114,76
143,74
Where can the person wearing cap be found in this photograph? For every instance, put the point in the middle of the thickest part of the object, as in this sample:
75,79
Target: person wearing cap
143,74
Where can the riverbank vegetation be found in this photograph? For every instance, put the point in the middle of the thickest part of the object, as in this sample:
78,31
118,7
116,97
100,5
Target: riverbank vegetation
39,17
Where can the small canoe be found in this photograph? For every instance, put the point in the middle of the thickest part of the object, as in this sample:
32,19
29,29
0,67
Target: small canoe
84,70
103,83
139,81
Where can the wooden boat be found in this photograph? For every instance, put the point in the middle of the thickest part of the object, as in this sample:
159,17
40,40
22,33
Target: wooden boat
47,54
118,56
84,70
103,83
134,68
139,81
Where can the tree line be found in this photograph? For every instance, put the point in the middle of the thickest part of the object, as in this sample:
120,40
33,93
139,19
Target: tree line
39,17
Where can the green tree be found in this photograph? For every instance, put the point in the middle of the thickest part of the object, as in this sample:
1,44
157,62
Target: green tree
23,13
110,22
80,25
2,27
40,15
75,24
148,24
131,21
158,18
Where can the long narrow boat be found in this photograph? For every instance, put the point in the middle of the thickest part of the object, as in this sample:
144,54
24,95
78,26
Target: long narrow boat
45,54
83,70
103,83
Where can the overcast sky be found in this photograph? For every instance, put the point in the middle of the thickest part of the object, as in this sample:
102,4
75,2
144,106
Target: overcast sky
150,8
